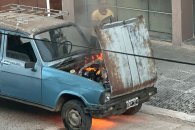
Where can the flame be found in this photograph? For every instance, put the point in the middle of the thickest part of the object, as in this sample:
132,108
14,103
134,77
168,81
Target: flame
93,58
103,124
90,69
99,56
118,122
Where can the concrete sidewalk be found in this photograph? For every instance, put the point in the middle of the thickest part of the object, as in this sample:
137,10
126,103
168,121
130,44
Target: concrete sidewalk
176,82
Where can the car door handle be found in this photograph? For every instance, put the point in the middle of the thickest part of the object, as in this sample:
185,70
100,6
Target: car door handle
5,62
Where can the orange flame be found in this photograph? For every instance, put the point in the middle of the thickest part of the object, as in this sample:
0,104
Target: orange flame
93,58
99,56
102,124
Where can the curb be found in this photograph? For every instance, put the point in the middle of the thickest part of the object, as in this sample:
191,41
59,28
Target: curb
165,112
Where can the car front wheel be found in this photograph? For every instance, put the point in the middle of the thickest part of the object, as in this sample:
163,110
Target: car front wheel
74,117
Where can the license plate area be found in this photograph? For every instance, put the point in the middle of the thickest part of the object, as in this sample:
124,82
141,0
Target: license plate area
132,103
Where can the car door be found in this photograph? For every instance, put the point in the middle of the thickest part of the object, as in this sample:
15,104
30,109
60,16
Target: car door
20,82
1,56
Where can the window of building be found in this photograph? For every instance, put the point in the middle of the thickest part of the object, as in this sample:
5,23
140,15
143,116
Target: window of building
20,49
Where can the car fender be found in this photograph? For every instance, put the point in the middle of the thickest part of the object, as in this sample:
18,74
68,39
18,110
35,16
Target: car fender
72,94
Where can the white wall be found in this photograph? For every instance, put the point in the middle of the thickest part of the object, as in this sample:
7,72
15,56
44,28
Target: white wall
68,5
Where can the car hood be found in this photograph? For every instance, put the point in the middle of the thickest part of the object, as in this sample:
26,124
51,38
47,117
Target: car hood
70,80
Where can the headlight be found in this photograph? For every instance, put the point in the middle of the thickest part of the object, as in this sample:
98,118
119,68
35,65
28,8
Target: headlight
105,97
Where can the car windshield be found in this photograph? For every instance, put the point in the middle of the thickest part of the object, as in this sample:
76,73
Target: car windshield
60,43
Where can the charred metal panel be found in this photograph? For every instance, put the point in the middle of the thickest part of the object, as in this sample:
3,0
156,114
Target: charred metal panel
127,73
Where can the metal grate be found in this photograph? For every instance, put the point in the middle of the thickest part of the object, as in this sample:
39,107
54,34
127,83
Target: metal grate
167,83
185,86
183,103
162,97
15,8
190,79
175,94
177,75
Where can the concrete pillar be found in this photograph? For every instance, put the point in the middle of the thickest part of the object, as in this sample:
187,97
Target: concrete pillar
176,22
182,20
68,5
48,4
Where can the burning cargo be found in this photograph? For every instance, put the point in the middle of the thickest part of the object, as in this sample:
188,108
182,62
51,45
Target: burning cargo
90,66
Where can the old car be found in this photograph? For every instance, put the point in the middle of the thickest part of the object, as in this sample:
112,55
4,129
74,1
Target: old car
49,63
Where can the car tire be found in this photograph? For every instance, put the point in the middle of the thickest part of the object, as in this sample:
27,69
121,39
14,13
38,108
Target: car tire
74,117
133,110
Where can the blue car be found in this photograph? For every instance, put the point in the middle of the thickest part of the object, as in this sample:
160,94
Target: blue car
49,63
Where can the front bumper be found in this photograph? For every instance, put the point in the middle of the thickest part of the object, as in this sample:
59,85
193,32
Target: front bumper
118,105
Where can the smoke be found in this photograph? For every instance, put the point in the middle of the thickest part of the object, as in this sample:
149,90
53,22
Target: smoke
83,14
85,8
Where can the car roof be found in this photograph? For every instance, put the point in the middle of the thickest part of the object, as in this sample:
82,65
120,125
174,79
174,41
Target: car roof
29,23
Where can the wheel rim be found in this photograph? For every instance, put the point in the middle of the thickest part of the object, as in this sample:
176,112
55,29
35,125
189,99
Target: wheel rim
74,118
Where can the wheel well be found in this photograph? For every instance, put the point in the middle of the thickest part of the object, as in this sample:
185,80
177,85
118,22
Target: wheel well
65,98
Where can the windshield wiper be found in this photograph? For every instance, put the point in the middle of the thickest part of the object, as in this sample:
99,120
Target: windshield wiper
64,61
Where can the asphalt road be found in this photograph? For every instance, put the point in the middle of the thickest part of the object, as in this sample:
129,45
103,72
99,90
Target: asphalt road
16,116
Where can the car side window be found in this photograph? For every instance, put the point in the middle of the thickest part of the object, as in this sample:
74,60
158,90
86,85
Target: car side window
0,41
20,49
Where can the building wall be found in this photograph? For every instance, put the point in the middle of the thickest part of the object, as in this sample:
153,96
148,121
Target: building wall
39,3
68,5
56,4
158,13
183,28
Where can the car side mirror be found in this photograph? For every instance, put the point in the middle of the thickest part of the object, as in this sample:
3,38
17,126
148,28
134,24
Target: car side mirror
30,65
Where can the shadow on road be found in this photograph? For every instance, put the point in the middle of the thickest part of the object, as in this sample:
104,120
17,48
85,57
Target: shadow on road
29,111
41,115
